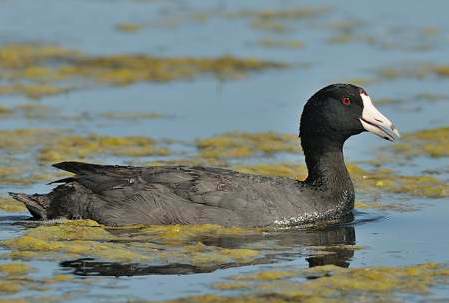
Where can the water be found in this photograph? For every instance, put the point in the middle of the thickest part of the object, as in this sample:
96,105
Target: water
266,101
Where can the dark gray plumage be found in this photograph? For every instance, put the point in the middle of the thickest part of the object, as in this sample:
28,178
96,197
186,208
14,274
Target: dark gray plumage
119,195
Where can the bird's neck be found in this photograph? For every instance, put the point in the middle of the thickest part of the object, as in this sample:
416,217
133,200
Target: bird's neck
326,166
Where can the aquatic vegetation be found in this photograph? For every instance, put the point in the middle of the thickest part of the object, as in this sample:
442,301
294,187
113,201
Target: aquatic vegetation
429,142
298,172
415,71
82,147
364,180
73,238
31,90
387,180
37,71
241,145
269,25
428,96
185,233
128,69
133,115
390,206
15,277
5,111
14,269
267,276
11,205
442,70
390,38
277,43
230,285
330,283
127,27
278,20
22,140
143,244
388,101
297,13
12,276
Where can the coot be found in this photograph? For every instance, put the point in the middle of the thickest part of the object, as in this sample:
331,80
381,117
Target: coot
120,195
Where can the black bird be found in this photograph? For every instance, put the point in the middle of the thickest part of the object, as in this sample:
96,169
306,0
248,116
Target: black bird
120,195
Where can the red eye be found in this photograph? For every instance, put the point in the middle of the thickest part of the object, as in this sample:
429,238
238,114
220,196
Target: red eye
346,101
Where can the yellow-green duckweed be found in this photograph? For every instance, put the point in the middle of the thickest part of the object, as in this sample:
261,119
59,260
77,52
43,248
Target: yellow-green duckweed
365,180
11,205
81,147
277,43
36,70
430,142
297,13
143,244
241,145
128,27
22,140
12,276
330,283
133,115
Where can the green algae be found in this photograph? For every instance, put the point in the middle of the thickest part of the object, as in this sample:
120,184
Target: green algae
37,71
186,233
15,279
22,140
415,71
428,96
128,69
133,115
277,43
72,238
430,142
388,101
12,276
392,38
128,27
82,147
266,276
14,269
294,13
298,172
242,145
269,25
364,180
387,180
11,205
230,285
330,283
136,243
22,175
279,21
5,111
33,91
390,206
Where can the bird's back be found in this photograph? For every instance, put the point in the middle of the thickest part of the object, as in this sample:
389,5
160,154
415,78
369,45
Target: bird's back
119,195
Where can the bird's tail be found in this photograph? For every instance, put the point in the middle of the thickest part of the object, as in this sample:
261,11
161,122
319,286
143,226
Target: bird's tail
37,204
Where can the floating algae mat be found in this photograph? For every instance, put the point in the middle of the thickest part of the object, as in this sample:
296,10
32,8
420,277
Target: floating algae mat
55,145
81,147
242,144
380,180
331,283
429,142
37,70
133,244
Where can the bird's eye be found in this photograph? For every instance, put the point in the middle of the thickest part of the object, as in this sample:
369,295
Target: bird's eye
346,101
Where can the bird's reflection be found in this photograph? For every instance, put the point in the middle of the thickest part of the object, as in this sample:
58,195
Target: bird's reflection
327,245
